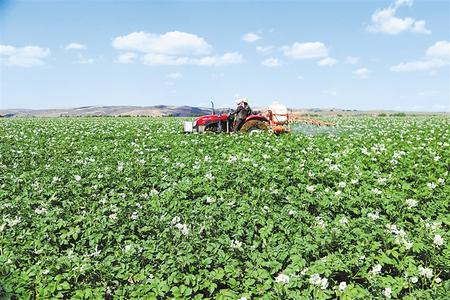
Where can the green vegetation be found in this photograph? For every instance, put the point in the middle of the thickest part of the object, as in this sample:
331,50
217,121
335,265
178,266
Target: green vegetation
95,208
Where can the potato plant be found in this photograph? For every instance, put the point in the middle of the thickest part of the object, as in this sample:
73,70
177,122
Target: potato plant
102,208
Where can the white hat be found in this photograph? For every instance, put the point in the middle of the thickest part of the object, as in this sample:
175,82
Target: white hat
238,101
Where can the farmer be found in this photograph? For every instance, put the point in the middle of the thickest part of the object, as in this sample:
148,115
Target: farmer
242,111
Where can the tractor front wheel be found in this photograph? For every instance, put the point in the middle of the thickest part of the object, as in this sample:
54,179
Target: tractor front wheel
254,126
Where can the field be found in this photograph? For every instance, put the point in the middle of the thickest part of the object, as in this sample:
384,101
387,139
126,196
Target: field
132,208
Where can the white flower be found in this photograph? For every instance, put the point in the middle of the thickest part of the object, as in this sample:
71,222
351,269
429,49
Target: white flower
387,292
438,280
343,221
210,200
431,185
209,176
354,181
235,244
310,188
291,212
40,211
55,179
376,269
46,271
427,272
183,228
373,215
441,180
134,216
113,216
324,283
281,278
381,180
411,203
414,279
77,177
342,184
175,220
320,223
376,191
315,279
342,286
153,192
338,193
438,240
437,158
13,222
243,298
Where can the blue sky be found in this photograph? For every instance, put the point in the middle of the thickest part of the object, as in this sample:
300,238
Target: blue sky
348,54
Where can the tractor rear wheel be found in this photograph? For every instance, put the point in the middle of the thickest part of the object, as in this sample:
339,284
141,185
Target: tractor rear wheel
254,126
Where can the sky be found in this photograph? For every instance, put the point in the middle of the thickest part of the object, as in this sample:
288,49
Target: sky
392,55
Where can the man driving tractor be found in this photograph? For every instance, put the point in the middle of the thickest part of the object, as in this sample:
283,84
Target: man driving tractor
242,111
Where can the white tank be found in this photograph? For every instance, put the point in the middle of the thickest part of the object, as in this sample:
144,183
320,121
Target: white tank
277,110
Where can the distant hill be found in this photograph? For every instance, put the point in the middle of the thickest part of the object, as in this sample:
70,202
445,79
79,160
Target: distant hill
151,111
176,111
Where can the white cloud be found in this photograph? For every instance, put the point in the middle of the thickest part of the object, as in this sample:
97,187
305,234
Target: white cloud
250,37
28,56
327,62
169,43
420,65
386,21
175,75
171,48
264,49
225,59
306,50
351,60
75,46
271,62
362,73
126,58
437,56
440,49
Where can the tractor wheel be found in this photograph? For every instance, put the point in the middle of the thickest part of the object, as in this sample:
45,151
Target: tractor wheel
254,126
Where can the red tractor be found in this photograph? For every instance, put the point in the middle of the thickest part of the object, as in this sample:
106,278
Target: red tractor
277,120
254,123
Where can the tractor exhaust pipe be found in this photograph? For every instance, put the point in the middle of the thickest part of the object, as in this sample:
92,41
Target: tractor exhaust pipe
213,110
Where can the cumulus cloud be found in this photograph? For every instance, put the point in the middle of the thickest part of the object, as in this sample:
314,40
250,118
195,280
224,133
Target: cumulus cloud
420,65
440,49
362,73
436,56
250,37
271,62
175,75
309,50
75,46
327,62
171,48
27,56
169,43
386,21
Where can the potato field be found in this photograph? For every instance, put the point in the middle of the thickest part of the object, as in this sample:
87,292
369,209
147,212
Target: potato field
132,208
